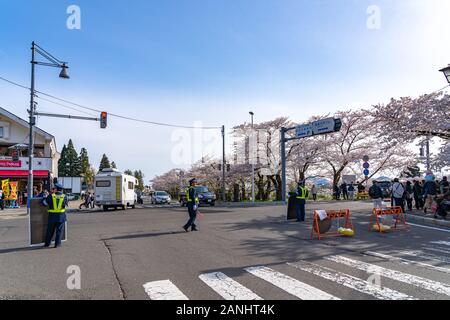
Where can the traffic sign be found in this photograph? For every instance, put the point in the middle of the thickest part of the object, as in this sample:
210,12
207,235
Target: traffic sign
366,165
366,158
366,172
304,131
323,126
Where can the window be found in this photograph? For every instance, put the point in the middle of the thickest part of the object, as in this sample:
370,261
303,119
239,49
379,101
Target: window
130,185
1,132
103,184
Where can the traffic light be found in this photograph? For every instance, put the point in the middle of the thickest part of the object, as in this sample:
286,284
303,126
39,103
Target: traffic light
228,167
103,120
337,125
220,167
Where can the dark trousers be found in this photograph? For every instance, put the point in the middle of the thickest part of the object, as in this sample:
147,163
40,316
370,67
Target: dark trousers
409,201
2,205
300,209
52,227
345,195
418,201
399,202
315,197
192,217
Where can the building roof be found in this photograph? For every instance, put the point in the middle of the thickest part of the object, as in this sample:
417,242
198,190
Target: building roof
24,123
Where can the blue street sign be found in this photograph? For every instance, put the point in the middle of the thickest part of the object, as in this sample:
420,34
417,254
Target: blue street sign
366,172
366,165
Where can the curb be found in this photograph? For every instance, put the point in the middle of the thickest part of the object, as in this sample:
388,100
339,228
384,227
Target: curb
428,221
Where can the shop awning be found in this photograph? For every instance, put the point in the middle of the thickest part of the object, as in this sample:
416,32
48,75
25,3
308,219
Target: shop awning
22,174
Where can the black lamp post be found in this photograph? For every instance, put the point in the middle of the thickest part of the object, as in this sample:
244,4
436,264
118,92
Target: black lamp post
446,72
51,62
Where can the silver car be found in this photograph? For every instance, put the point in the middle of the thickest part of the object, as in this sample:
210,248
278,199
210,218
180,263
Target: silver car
161,197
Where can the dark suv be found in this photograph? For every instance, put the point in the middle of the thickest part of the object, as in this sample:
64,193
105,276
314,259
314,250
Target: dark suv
205,196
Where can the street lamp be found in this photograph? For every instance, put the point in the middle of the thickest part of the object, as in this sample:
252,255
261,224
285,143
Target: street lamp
253,164
51,62
446,72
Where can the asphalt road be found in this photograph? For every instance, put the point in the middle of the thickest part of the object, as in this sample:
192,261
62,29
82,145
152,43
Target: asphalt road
238,253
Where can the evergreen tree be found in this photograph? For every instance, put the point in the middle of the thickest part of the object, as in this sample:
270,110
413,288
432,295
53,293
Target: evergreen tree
85,166
104,163
113,165
128,172
140,177
62,169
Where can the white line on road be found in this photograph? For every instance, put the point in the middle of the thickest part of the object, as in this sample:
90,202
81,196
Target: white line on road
163,290
440,250
228,288
423,283
351,282
299,289
445,243
428,256
407,262
427,227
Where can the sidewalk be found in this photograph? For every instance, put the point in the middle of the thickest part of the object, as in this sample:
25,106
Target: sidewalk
428,219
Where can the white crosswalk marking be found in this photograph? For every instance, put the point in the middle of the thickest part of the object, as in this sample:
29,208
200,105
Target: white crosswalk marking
163,290
407,262
299,289
228,288
351,282
423,283
438,249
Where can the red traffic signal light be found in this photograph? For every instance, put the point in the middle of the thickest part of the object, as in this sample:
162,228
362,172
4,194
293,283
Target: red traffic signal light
103,120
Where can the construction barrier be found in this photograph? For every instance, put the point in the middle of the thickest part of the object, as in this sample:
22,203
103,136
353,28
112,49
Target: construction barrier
362,196
378,214
323,223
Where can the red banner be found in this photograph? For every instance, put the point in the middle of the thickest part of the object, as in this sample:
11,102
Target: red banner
10,164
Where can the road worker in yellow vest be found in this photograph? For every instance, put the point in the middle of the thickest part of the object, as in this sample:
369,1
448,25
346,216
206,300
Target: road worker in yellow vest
302,195
192,205
56,203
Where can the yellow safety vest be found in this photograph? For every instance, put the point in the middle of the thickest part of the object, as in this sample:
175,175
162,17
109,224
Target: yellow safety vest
188,196
58,201
304,194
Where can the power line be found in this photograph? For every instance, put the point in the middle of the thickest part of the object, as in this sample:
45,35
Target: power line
111,114
64,106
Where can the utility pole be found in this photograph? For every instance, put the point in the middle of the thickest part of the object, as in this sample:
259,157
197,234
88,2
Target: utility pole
252,159
428,154
223,164
32,122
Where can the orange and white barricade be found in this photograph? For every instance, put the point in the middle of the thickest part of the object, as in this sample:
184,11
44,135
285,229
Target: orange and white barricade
332,223
396,213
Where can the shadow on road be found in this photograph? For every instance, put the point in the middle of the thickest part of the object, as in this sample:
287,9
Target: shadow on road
23,249
145,235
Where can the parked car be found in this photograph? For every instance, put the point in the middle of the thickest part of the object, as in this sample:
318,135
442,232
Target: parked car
205,196
161,197
72,197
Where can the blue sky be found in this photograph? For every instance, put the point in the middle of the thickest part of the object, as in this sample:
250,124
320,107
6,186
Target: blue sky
182,61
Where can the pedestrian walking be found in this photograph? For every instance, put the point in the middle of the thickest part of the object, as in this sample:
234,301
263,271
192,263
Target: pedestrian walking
409,195
429,192
56,203
337,192
344,190
2,200
302,195
351,191
192,205
376,194
418,191
398,194
444,186
314,192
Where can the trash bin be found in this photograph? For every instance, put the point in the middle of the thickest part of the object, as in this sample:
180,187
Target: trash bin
292,201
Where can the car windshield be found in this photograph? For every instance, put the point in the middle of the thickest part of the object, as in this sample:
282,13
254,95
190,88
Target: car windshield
162,193
201,189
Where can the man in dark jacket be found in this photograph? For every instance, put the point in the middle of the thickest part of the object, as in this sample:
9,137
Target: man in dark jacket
192,205
344,190
376,194
417,189
429,192
56,203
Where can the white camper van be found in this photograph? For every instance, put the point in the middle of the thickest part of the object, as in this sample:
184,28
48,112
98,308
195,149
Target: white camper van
114,189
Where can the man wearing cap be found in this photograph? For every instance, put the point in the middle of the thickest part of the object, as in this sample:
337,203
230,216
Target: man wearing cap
56,203
302,195
192,205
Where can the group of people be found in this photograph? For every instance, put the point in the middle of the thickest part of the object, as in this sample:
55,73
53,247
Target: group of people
427,194
89,200
347,191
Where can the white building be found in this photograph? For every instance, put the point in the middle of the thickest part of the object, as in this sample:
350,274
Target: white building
15,131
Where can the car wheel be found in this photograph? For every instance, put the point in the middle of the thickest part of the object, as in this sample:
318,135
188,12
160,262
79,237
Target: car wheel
105,208
213,204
